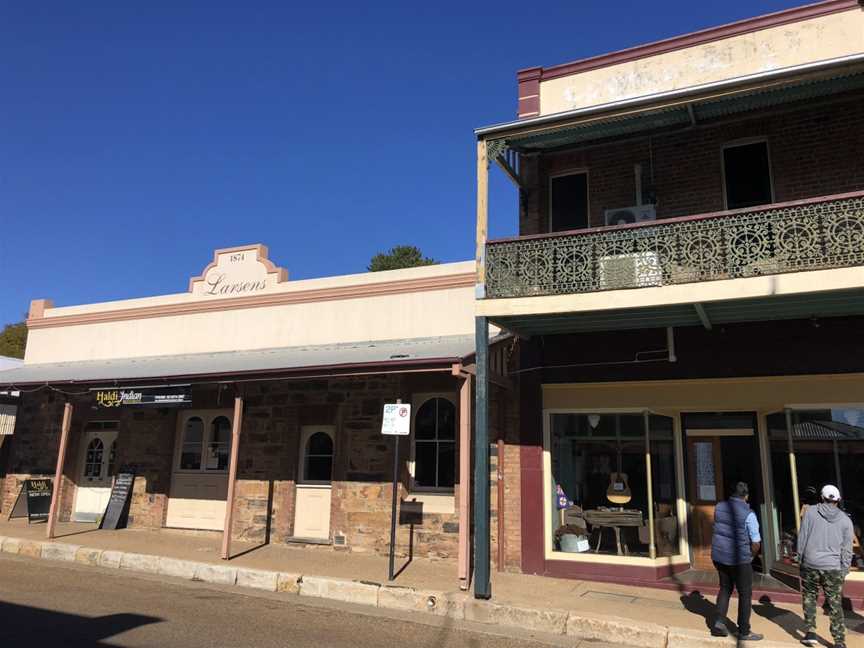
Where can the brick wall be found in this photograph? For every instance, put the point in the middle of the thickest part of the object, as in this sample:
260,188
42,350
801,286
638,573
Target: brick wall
814,151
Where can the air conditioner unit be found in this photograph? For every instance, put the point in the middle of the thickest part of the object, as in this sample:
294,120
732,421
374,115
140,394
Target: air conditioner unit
630,215
636,270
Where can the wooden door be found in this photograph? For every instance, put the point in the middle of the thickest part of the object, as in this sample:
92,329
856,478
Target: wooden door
312,493
706,489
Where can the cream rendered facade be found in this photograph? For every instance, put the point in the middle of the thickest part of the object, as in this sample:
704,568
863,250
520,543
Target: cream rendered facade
430,301
832,36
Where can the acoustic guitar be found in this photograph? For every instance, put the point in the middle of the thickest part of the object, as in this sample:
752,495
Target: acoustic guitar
619,490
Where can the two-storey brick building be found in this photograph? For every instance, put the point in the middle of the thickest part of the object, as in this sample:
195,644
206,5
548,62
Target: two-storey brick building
687,287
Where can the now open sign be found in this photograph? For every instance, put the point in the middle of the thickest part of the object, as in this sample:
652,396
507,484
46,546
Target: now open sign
397,419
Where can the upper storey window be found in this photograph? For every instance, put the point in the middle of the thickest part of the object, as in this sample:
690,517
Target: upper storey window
568,202
747,175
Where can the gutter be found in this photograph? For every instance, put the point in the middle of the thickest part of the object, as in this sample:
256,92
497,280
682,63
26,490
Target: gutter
486,132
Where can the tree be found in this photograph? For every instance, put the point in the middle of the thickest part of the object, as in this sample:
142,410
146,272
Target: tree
400,256
13,340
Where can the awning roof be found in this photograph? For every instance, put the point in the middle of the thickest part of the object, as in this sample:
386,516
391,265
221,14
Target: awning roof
678,108
374,354
836,303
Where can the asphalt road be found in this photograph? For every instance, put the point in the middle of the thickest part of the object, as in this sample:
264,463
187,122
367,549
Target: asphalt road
56,604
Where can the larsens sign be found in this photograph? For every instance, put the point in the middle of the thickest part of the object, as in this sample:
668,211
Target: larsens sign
221,284
238,271
143,396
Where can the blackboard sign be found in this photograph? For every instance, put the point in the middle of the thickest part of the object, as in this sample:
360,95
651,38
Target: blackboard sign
117,511
34,500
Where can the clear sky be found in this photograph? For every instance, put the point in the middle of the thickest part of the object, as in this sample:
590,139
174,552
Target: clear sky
136,137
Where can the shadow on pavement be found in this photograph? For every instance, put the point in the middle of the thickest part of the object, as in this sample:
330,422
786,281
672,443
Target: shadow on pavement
24,625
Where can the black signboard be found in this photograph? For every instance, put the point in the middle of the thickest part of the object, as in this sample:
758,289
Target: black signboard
171,396
33,501
117,511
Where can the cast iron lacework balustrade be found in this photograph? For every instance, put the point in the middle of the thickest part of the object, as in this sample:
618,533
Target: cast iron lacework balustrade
810,235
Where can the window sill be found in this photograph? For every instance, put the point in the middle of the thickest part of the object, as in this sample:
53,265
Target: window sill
442,503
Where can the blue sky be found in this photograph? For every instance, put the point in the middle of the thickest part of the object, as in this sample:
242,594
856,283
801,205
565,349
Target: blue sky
135,138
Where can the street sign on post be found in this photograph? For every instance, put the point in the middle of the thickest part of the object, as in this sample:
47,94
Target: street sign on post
395,422
397,419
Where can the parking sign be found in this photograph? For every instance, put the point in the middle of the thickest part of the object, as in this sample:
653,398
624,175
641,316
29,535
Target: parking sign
397,419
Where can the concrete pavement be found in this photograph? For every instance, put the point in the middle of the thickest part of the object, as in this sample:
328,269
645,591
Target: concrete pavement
59,604
625,614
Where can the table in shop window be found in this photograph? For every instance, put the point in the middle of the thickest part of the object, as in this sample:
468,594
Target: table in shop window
613,519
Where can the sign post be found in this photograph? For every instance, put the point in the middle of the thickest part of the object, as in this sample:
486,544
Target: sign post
396,422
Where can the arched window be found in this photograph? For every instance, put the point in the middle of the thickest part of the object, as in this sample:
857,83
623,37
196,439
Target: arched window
93,463
435,444
219,447
318,463
193,439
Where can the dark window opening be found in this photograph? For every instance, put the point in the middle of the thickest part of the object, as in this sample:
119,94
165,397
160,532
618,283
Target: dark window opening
568,202
748,175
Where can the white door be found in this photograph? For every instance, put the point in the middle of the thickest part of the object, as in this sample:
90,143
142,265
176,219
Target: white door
199,485
312,502
99,449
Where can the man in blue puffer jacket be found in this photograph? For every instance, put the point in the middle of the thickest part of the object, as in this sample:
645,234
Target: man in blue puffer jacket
735,542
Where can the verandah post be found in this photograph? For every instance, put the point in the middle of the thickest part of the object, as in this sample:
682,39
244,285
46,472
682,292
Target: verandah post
58,473
482,584
236,426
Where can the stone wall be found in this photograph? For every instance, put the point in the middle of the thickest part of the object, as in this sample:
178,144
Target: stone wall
274,414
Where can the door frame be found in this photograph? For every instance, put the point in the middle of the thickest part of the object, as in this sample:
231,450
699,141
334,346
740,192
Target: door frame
758,431
108,436
302,484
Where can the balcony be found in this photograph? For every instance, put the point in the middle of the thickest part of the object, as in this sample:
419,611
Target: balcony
814,234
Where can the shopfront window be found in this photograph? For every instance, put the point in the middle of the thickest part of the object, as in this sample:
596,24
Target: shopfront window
828,448
599,484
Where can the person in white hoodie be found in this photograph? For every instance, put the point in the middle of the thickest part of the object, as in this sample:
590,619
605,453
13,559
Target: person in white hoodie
825,552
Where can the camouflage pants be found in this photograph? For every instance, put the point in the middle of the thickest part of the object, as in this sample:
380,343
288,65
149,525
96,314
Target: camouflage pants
831,583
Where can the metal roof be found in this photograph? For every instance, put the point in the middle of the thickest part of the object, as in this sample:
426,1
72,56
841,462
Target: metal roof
323,357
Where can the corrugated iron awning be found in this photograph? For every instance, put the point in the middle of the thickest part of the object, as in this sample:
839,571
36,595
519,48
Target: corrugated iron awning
383,353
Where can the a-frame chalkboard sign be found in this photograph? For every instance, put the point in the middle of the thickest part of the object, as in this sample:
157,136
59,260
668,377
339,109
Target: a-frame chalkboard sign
117,511
33,501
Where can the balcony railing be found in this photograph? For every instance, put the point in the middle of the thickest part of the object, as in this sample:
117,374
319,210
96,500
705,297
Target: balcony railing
811,234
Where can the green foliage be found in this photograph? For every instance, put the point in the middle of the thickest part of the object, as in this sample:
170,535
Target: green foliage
400,256
13,340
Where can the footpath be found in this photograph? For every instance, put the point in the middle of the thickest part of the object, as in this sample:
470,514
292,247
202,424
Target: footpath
633,616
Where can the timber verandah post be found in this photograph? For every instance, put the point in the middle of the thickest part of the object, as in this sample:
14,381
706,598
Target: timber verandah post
236,427
482,543
58,473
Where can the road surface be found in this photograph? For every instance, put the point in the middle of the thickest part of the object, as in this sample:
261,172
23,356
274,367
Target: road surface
57,604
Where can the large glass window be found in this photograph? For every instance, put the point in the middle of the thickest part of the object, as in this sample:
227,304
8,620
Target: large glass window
219,446
435,444
828,448
599,483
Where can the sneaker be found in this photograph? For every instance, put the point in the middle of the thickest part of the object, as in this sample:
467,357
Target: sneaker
839,645
810,639
719,630
750,636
